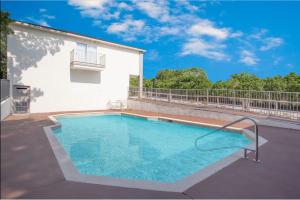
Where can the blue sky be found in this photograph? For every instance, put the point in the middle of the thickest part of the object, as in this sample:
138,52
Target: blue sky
221,37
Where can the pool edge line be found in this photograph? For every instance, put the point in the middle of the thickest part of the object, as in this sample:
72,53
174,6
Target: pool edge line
71,173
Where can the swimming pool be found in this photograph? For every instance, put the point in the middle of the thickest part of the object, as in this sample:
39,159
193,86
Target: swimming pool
136,148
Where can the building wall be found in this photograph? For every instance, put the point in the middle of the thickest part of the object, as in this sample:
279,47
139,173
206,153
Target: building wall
169,108
5,108
41,60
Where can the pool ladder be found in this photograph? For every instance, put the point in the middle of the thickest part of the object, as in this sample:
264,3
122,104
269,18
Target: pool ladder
229,124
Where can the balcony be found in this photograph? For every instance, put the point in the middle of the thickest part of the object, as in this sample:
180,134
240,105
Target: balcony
87,61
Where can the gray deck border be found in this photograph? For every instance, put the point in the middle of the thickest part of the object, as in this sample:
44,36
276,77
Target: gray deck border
72,174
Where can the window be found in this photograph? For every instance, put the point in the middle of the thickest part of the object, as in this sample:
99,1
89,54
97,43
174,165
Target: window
86,53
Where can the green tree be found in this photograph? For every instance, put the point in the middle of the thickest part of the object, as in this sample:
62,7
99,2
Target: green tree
148,83
192,78
220,85
133,81
288,83
292,82
245,81
196,78
5,30
166,78
276,83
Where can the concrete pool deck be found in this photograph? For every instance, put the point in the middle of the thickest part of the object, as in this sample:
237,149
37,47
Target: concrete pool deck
29,168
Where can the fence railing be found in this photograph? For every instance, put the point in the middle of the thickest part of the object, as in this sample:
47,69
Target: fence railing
272,103
5,91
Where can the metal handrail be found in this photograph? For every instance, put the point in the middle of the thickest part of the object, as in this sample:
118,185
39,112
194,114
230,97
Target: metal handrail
229,124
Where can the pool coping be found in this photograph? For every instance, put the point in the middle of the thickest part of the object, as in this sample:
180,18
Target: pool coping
72,174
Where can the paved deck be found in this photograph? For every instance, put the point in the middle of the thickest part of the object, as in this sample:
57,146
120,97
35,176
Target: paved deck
29,168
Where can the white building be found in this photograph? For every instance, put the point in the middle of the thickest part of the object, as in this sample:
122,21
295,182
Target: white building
67,71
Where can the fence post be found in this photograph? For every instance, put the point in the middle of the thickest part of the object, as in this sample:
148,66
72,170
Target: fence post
170,95
249,103
234,99
186,95
276,103
269,102
207,97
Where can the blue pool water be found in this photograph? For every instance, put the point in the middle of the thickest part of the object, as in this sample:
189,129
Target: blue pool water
130,147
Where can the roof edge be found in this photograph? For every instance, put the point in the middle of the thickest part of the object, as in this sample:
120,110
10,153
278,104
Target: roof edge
73,34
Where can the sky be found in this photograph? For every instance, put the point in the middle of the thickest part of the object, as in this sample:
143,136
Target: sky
221,37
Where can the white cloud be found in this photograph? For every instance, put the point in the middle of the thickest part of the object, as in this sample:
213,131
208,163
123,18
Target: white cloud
43,18
248,57
259,35
133,25
152,54
266,42
175,21
128,29
97,23
212,50
88,4
43,23
49,16
115,15
39,21
125,6
169,30
155,9
94,13
95,8
276,60
206,27
271,42
208,40
42,10
236,34
188,5
289,65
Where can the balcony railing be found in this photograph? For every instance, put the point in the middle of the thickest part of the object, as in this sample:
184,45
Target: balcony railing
85,60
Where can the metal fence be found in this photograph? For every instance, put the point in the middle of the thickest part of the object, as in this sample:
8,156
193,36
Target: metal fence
272,103
4,89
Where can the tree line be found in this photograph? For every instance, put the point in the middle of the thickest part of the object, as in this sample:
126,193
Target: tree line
5,30
196,78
